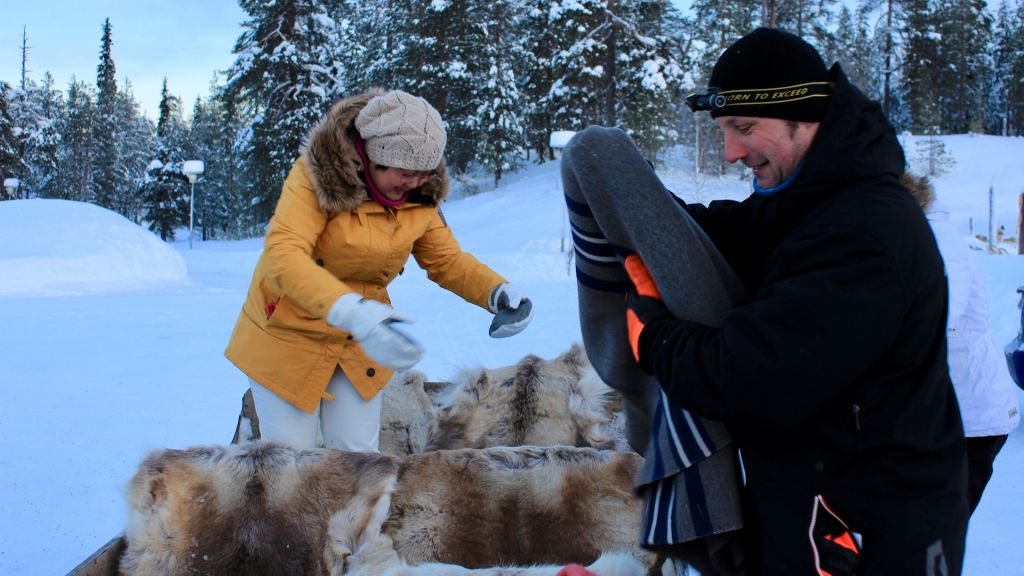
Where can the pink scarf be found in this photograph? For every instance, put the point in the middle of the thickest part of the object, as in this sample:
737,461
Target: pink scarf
377,195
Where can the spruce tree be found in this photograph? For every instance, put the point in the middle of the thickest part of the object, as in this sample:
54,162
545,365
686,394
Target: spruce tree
367,44
964,64
499,113
889,41
231,127
221,203
10,163
285,77
919,66
35,111
717,24
575,97
135,141
107,179
165,188
537,74
438,51
812,20
39,123
1006,90
650,74
858,51
1015,75
74,176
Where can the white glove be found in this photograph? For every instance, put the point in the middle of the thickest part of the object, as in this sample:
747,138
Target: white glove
372,324
512,311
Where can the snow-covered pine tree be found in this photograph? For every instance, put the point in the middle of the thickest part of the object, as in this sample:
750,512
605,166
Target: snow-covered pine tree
10,163
370,36
18,108
166,190
135,141
812,20
1015,78
857,50
650,74
536,75
931,157
108,181
500,113
34,110
73,178
221,203
717,24
887,37
575,98
284,76
232,131
37,113
965,65
1006,92
208,199
918,66
436,51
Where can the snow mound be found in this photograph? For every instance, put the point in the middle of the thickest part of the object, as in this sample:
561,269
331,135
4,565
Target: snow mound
60,247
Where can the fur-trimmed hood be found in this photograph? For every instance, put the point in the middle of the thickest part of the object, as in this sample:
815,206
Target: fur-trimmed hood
334,167
920,188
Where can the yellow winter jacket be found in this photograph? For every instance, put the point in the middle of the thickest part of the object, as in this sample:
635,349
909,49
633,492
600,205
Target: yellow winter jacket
328,238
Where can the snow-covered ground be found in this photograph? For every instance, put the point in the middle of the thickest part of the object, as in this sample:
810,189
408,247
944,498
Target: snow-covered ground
112,342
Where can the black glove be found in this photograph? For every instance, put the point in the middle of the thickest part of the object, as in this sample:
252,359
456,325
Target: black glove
643,306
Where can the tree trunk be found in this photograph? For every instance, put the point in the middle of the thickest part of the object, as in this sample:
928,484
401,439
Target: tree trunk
886,102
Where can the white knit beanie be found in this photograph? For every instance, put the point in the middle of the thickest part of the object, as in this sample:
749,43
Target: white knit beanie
402,131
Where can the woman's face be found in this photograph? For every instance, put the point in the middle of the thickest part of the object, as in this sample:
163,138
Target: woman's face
394,183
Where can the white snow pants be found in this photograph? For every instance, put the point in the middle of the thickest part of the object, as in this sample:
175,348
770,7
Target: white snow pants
346,423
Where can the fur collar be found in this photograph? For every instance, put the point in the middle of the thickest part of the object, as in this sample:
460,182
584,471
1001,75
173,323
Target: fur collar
334,168
920,188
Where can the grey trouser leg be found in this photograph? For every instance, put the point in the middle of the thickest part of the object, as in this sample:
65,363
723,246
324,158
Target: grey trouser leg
617,207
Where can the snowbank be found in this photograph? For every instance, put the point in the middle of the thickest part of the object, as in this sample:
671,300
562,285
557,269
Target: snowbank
60,247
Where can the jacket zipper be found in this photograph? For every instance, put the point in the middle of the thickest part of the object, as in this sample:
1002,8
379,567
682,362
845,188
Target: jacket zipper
856,416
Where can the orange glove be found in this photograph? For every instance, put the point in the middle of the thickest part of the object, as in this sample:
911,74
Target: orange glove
643,304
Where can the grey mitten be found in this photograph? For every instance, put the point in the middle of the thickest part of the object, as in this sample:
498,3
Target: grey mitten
512,311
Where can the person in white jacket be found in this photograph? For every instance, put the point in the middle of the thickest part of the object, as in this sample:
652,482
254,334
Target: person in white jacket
988,400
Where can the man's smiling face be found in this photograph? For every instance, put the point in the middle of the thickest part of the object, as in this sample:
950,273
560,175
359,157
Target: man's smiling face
770,147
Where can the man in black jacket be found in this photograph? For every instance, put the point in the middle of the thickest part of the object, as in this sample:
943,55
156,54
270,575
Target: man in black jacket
832,376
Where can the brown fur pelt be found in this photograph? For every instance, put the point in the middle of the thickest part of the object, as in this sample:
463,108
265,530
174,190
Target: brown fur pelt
380,559
253,508
534,402
260,508
515,506
540,402
407,414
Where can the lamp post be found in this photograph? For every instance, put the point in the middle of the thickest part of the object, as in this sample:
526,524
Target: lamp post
12,184
192,170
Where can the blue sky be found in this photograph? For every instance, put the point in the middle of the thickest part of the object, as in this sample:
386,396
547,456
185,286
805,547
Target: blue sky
185,41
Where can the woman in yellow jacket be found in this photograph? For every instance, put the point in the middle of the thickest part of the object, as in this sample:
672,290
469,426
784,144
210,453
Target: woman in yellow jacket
317,336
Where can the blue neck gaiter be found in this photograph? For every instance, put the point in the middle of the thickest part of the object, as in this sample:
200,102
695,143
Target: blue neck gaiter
781,185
